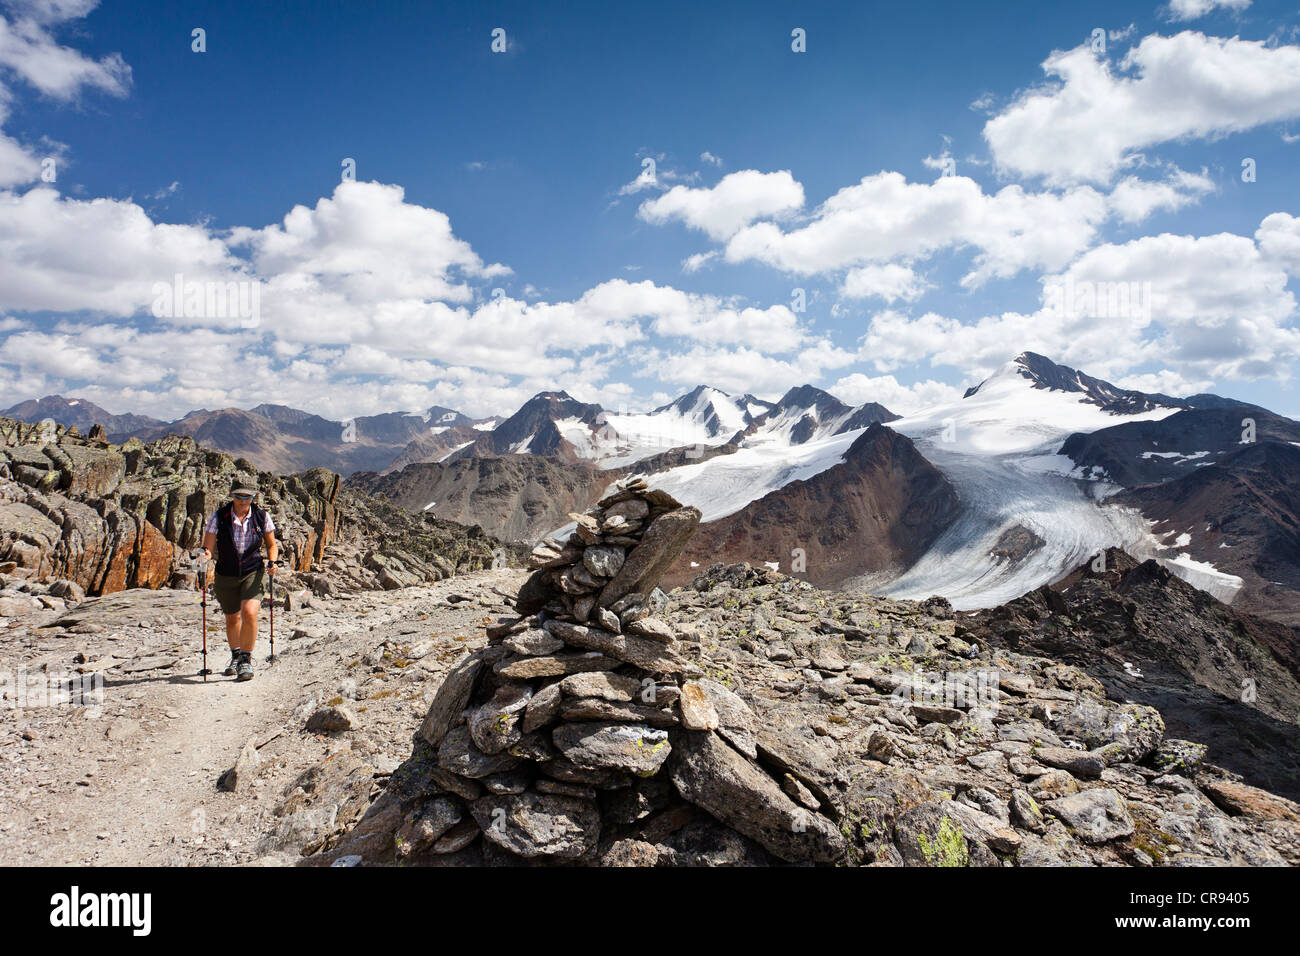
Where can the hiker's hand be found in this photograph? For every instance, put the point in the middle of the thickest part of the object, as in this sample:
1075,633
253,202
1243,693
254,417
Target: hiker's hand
270,567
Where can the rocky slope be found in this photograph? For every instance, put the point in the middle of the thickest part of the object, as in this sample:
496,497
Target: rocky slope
432,445
1225,678
282,439
871,728
1150,452
514,497
881,507
1241,514
753,719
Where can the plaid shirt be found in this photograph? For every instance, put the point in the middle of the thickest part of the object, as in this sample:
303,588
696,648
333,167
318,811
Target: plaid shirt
241,531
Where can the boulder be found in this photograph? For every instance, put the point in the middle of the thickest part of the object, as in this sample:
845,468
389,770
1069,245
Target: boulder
720,781
553,665
645,564
1095,816
603,560
245,768
495,725
631,748
1121,732
532,824
453,694
698,712
457,754
642,652
331,720
1239,799
616,687
543,708
1080,763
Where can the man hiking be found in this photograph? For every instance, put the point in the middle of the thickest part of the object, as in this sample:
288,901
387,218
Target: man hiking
235,534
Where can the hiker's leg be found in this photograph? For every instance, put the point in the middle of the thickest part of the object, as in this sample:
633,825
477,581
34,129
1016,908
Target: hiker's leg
248,611
226,591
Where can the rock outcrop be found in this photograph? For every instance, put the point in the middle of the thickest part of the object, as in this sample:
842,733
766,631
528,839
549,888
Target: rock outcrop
1242,516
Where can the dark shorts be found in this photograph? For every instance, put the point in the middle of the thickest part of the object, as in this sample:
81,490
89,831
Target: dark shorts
230,590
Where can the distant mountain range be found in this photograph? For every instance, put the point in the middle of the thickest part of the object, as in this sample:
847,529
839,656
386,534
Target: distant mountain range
1032,473
83,414
550,424
274,437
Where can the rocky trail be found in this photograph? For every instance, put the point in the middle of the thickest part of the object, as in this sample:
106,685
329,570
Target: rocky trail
134,780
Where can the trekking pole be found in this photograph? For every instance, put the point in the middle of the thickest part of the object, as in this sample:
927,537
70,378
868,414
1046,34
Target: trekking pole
203,602
271,659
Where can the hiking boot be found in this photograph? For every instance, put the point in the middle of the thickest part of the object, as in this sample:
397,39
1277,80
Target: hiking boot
245,669
233,666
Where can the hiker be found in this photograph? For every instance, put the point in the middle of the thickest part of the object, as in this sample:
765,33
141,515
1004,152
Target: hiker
235,534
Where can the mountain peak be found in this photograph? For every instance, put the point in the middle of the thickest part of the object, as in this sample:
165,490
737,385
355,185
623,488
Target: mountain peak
1043,373
808,396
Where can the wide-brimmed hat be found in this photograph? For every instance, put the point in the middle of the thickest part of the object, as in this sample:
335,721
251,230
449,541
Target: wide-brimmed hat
243,490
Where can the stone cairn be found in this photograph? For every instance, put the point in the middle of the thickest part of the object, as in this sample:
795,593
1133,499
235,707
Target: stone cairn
561,729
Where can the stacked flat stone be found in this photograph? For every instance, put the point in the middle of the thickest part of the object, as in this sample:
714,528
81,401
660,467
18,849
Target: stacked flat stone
563,723
576,696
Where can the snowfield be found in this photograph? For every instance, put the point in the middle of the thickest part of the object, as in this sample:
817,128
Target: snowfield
727,483
1203,575
454,450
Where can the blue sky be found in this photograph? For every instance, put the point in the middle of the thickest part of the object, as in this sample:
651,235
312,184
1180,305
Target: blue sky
924,172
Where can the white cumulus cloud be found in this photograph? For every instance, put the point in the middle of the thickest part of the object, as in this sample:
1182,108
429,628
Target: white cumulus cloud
1095,119
722,210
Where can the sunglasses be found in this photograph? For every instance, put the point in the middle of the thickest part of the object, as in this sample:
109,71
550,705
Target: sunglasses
243,497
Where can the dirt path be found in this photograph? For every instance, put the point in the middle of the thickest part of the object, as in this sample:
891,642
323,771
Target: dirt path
134,780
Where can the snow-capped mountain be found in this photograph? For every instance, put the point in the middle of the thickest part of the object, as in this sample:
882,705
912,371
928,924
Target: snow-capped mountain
807,413
549,423
1028,514
703,417
720,415
1046,374
557,425
1025,519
